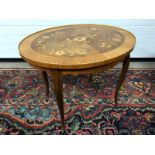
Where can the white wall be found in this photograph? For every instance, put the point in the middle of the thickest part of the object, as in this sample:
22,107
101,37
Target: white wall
13,31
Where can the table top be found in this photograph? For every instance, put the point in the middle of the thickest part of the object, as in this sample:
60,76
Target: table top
76,46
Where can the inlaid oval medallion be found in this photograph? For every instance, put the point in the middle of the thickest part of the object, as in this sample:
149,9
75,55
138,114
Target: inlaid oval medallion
78,41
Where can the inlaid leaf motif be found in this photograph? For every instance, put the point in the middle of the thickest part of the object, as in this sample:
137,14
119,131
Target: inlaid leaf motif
78,41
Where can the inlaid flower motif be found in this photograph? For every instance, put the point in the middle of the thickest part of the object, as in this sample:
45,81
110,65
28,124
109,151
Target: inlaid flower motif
80,39
106,45
60,52
67,42
75,52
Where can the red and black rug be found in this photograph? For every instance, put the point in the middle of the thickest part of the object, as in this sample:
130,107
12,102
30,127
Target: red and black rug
89,104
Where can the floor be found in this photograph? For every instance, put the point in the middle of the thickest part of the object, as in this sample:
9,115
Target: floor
25,65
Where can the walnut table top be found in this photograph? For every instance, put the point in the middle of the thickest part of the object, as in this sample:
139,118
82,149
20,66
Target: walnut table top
76,46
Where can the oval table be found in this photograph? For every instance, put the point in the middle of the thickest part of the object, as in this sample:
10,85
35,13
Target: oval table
76,49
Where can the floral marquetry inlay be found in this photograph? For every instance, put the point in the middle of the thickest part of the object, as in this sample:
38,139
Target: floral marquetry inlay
78,41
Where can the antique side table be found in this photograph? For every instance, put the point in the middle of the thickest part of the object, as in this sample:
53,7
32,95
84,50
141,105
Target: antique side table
75,49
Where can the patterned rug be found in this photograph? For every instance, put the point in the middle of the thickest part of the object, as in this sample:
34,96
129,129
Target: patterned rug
89,104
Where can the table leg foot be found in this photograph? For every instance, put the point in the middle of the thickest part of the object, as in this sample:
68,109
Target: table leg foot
126,63
45,78
58,89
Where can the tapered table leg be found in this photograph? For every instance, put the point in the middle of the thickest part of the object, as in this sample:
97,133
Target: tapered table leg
126,63
45,78
58,89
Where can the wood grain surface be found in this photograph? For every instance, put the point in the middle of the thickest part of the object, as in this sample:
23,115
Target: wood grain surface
76,46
